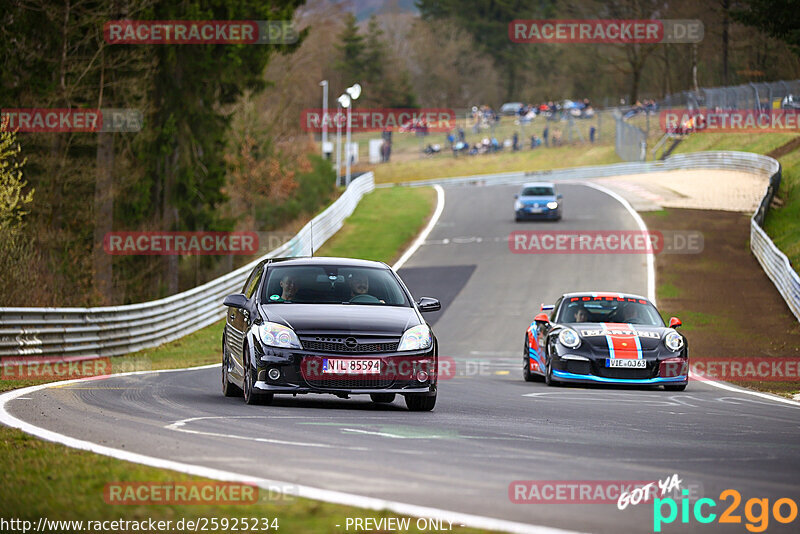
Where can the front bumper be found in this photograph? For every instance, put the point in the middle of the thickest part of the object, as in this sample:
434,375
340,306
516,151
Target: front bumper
300,373
546,214
565,376
660,369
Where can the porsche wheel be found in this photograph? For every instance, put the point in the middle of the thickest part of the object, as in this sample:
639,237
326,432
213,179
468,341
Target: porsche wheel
548,375
526,364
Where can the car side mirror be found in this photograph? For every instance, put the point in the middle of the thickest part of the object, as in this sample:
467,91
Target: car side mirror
542,318
429,304
237,300
674,322
559,196
516,196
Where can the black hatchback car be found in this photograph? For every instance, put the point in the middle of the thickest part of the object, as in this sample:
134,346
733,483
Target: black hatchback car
329,325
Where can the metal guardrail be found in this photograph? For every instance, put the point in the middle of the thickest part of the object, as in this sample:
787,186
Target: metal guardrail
113,330
774,262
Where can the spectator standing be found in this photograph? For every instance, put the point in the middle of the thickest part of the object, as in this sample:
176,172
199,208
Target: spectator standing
545,135
592,131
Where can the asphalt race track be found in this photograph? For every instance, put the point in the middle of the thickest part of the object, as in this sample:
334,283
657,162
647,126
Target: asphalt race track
489,427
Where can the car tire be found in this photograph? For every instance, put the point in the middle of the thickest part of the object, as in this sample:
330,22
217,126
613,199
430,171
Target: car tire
228,389
674,387
526,364
250,396
420,403
548,375
382,398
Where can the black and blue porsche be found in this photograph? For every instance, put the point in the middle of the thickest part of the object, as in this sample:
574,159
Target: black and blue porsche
605,338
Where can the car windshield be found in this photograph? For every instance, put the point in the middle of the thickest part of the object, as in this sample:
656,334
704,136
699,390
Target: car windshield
538,191
590,309
332,284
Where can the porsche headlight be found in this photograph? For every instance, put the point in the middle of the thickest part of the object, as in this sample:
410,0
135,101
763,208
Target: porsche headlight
552,205
416,338
673,341
277,335
569,338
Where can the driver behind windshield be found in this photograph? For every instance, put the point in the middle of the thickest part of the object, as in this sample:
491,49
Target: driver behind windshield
359,285
579,314
288,288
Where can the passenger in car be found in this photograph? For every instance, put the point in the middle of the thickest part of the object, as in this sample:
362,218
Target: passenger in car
289,288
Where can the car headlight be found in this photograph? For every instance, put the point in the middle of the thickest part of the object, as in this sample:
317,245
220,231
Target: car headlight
416,338
277,335
518,205
569,338
673,341
552,205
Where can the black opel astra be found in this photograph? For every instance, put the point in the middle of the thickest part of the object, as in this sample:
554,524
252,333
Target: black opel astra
329,325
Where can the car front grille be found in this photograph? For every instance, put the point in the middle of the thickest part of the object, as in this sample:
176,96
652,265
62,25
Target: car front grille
339,344
623,374
311,370
351,382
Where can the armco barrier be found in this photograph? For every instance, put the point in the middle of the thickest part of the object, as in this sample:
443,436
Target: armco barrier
772,260
108,331
114,330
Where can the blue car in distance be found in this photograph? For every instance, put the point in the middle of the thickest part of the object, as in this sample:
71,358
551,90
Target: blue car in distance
538,200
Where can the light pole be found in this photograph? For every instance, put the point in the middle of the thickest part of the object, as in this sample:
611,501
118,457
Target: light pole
324,84
353,92
344,102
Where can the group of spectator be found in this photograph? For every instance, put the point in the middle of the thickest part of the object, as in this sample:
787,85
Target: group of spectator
483,117
458,143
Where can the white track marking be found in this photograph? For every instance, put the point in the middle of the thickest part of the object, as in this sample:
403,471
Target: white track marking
731,387
308,492
180,426
421,237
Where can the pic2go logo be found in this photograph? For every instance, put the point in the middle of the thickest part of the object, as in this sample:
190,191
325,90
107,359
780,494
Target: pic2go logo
758,521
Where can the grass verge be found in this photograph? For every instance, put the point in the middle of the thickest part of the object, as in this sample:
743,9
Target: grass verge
42,479
384,223
724,326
